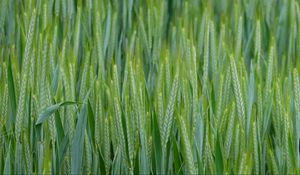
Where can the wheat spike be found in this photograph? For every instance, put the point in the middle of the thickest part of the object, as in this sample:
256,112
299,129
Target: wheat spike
285,141
269,74
227,85
213,50
106,146
273,163
255,148
84,76
195,90
88,154
258,41
121,137
25,68
277,119
98,117
239,38
130,130
229,131
168,119
28,156
219,102
77,31
242,165
296,91
206,61
187,147
237,91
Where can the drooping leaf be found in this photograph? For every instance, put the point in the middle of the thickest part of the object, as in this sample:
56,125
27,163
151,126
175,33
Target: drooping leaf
50,110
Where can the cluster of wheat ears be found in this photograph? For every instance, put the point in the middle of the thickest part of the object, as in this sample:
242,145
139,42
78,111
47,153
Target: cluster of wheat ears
149,86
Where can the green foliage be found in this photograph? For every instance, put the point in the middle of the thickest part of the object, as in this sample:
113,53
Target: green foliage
149,87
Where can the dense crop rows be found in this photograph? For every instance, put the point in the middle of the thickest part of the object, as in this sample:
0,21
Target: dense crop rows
149,86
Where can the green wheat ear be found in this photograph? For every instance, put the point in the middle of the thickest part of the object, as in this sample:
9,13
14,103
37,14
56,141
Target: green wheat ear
239,38
255,148
229,132
206,61
258,41
107,160
237,91
274,166
296,91
25,69
168,119
187,147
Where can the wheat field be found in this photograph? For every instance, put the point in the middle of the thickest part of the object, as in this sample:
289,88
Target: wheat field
149,87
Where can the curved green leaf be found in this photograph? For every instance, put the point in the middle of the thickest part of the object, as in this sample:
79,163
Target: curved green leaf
50,110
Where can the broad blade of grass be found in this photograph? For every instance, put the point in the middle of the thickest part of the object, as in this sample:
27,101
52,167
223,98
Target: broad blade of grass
51,110
77,144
